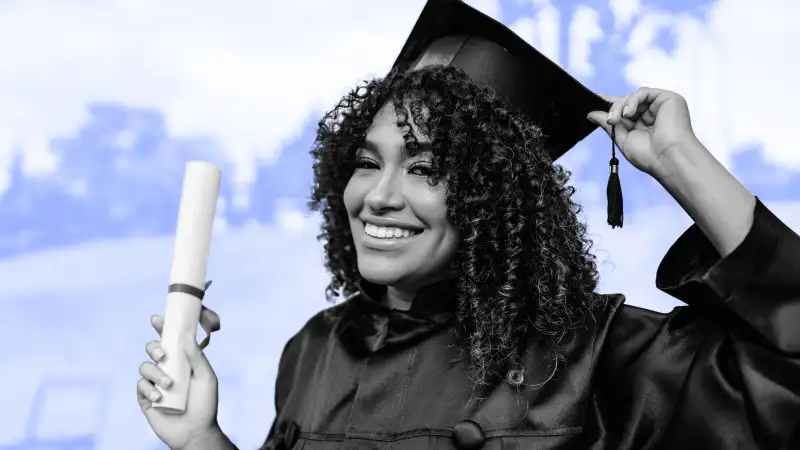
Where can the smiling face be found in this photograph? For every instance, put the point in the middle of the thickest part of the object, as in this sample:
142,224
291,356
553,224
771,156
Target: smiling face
399,222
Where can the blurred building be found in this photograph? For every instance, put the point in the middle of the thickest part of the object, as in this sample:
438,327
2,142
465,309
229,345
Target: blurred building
65,415
71,413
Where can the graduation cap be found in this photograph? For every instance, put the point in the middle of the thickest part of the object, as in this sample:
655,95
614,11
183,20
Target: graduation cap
451,33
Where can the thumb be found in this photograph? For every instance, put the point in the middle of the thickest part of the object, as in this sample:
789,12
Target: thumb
600,118
619,131
201,368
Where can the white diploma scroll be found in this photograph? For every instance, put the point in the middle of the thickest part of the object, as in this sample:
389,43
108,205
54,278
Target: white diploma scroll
198,206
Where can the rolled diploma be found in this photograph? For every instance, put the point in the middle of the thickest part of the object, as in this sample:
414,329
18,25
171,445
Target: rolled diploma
196,213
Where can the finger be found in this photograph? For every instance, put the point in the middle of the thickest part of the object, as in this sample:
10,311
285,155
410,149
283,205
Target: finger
146,393
627,124
201,368
611,98
600,118
619,132
157,322
615,112
154,350
639,101
614,100
144,404
154,374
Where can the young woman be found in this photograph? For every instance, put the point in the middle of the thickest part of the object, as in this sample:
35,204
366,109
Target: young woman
472,319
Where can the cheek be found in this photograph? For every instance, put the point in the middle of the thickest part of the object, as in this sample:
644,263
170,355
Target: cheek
436,209
352,197
450,236
431,207
452,239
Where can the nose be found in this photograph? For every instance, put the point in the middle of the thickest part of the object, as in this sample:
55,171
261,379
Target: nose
386,194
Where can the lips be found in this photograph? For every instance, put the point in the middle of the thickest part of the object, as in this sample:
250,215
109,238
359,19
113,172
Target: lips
380,232
390,222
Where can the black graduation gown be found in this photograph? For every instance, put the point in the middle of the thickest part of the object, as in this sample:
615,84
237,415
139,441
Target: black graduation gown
722,373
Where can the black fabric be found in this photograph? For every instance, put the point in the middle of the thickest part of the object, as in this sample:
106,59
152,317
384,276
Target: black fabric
722,373
450,32
368,326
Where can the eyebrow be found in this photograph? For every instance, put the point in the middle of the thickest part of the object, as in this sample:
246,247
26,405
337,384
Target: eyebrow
373,147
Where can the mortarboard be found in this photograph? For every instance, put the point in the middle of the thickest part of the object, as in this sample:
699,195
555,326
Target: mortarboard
451,33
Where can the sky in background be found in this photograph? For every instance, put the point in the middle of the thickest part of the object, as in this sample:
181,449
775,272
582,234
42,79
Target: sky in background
102,102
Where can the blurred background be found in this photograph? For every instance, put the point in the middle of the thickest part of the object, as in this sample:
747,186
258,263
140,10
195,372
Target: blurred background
102,102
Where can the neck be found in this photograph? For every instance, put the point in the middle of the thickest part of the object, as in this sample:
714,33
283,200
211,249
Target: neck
399,298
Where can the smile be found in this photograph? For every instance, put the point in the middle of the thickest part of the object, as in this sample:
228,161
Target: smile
388,233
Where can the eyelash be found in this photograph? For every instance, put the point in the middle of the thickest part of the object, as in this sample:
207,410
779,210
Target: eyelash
367,163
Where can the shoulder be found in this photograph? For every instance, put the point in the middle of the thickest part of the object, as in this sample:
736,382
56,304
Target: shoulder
635,346
618,321
610,329
620,327
306,349
559,377
317,330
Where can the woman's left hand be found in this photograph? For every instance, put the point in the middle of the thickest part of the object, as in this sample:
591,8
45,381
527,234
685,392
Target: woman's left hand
649,122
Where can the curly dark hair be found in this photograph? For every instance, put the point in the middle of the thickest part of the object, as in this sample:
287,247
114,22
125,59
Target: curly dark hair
523,261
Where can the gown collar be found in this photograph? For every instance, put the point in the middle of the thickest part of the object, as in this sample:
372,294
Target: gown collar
368,326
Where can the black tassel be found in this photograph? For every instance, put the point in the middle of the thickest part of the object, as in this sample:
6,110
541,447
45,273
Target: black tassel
614,189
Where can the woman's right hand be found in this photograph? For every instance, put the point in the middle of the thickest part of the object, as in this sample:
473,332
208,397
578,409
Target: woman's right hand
199,421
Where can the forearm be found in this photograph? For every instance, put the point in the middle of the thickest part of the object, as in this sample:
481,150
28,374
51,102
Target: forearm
717,202
214,440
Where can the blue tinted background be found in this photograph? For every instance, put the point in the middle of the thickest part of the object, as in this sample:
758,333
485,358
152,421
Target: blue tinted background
102,103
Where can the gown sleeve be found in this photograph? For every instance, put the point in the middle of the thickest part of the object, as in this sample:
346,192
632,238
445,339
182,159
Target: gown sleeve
722,373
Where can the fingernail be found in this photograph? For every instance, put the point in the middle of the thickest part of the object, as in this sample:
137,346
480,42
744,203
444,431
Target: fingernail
165,382
625,110
158,354
154,396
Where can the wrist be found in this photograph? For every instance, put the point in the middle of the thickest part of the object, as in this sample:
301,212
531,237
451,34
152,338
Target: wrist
717,202
678,158
212,439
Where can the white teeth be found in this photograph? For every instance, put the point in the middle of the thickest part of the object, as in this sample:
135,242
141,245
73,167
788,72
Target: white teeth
386,232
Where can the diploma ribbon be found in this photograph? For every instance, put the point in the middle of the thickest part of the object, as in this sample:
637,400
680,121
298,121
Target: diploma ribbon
213,323
187,289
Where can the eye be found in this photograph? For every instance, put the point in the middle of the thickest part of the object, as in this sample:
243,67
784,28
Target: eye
366,163
421,169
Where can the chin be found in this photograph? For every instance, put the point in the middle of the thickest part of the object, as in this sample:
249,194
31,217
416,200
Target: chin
382,277
382,273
